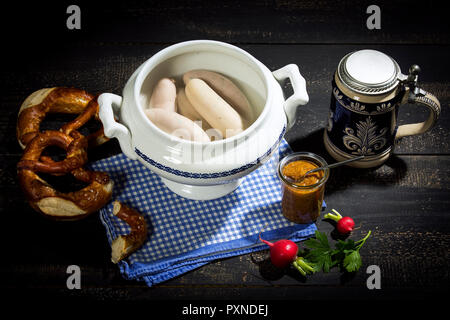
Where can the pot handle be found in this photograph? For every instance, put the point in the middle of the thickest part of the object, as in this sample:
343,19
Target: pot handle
109,106
299,97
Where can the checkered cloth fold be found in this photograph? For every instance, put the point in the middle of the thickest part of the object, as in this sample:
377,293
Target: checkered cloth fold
186,234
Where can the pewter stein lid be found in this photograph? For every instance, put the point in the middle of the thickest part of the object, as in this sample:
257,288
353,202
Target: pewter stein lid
369,72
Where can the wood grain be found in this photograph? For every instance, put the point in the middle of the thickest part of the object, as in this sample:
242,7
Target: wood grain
261,21
404,202
409,242
106,68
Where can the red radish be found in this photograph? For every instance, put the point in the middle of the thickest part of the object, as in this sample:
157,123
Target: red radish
282,252
344,225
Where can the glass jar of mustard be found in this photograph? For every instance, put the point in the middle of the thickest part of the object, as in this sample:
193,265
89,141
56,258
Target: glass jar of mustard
302,198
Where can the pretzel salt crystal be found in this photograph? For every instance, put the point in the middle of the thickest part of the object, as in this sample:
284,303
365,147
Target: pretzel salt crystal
124,245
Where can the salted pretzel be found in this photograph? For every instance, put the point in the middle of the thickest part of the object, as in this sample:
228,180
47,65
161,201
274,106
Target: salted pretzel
74,145
91,111
56,100
124,245
43,197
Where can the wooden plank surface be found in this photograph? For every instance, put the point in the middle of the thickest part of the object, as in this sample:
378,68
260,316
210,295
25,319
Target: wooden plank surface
404,202
410,242
107,67
256,21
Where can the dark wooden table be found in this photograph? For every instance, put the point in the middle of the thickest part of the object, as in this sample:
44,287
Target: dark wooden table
406,202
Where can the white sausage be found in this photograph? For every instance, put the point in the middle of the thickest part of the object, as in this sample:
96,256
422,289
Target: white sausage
225,88
185,108
176,125
163,95
219,114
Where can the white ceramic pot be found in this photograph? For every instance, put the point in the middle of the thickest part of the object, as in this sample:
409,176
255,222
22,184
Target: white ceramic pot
197,170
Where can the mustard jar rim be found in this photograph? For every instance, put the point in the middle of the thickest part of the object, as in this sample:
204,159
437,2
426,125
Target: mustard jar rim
303,156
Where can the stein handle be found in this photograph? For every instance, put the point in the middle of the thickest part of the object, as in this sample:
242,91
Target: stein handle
299,97
109,106
432,103
416,95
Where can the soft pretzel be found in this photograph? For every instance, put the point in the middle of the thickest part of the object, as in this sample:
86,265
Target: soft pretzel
75,146
124,245
43,197
51,100
91,111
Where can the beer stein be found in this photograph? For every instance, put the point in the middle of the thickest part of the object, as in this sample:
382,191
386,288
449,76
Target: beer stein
368,89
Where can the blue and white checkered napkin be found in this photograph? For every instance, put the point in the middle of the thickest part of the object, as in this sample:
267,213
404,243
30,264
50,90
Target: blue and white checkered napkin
186,234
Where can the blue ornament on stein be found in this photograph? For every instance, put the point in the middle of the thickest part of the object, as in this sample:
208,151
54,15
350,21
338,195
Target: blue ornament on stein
367,91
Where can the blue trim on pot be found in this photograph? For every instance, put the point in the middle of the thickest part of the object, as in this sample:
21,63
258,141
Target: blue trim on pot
210,175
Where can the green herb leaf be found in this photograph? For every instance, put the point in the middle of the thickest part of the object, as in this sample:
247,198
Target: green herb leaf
345,245
323,257
320,241
352,262
320,253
